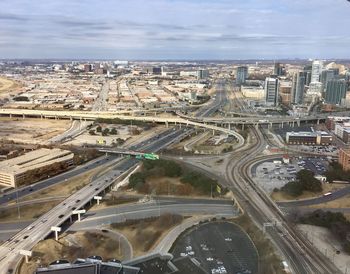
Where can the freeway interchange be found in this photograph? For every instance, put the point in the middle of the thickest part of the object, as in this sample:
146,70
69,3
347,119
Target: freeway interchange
302,257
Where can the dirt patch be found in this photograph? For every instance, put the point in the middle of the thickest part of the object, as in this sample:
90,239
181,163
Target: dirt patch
71,246
65,189
145,234
27,212
31,131
8,86
280,196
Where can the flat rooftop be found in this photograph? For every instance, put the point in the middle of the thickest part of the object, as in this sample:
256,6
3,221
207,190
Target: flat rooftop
35,159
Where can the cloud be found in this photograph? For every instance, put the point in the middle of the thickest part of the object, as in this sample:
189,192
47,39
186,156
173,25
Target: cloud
182,28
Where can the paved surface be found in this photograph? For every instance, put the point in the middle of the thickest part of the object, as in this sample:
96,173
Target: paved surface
153,209
26,190
219,246
41,228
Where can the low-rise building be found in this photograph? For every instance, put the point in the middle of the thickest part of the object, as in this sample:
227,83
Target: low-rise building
15,171
309,138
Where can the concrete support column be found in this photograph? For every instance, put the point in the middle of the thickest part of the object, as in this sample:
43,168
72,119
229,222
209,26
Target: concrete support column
298,123
282,125
213,132
318,121
23,116
242,126
79,212
10,115
56,229
98,199
166,124
26,254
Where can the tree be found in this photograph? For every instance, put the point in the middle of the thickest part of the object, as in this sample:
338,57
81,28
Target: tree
305,181
99,129
105,132
114,131
92,132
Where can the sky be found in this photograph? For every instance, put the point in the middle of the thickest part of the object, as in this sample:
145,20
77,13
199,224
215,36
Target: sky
174,29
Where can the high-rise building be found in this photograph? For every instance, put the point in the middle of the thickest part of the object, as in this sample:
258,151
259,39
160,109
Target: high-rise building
298,87
328,75
87,67
157,70
241,75
344,158
271,91
335,91
317,66
203,74
307,72
278,69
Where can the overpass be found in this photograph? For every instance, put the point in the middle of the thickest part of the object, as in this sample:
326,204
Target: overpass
137,154
91,116
261,120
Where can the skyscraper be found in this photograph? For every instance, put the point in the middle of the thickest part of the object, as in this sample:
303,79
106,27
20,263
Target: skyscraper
271,91
328,75
298,87
241,75
278,69
203,74
335,91
316,71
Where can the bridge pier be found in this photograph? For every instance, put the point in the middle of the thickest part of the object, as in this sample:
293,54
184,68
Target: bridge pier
318,121
180,125
166,124
23,116
298,123
10,115
242,126
293,124
282,125
213,132
229,126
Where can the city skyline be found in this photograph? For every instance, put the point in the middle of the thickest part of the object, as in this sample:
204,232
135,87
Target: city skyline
177,29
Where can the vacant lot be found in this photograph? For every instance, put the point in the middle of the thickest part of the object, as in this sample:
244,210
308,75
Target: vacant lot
8,86
31,131
71,246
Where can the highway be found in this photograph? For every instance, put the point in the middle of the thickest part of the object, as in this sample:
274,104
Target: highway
153,209
120,213
302,257
41,228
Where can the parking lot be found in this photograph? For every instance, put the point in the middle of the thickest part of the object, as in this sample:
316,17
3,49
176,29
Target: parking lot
329,150
220,247
275,174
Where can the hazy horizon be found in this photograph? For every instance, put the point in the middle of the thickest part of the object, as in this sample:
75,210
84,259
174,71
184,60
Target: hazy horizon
174,29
